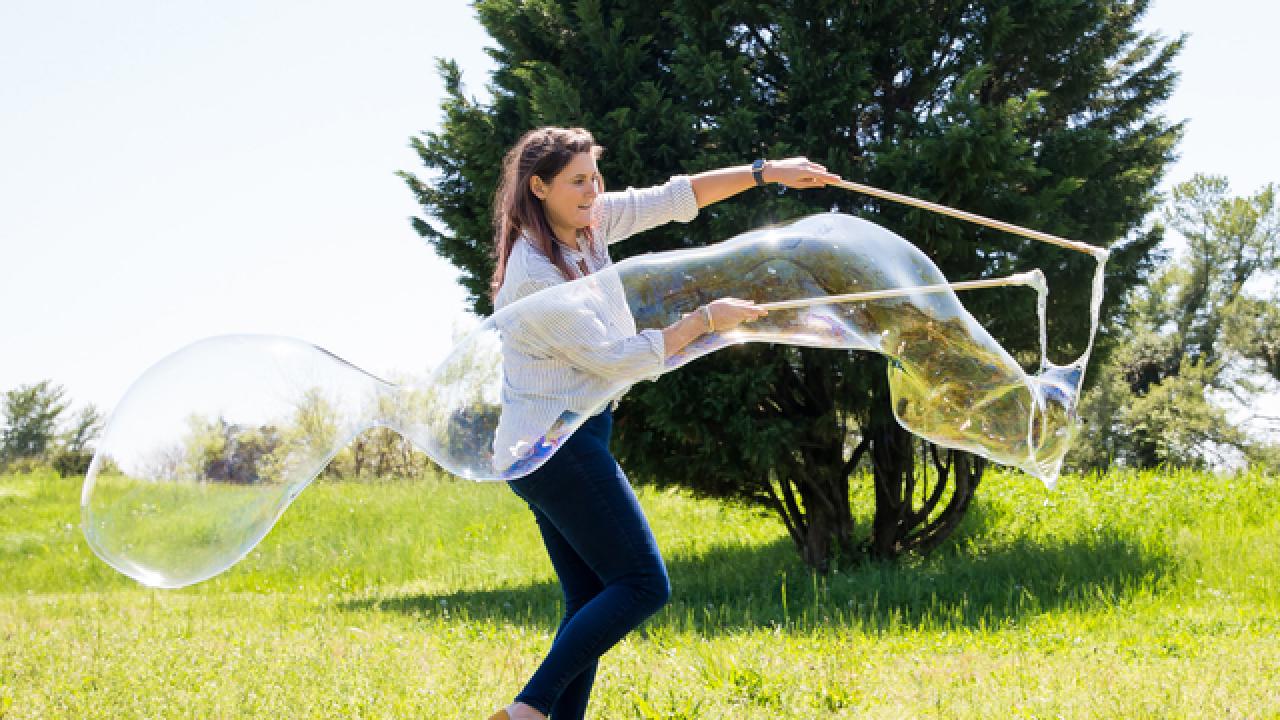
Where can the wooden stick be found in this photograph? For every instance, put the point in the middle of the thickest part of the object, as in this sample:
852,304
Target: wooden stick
970,217
1026,278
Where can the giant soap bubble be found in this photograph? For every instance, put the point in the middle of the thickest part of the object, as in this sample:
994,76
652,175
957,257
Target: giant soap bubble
210,445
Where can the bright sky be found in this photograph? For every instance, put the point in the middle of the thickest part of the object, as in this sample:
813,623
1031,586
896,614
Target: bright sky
171,171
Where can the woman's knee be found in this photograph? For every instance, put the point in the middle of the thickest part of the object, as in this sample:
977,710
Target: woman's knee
654,588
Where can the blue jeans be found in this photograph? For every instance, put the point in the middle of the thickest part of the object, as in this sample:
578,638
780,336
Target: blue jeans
605,555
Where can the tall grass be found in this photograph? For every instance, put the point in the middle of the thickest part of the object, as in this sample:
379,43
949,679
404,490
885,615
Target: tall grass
1130,595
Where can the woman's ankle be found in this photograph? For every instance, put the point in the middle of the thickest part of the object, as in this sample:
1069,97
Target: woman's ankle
520,711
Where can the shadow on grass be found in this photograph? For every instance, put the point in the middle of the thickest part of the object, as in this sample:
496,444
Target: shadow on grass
732,588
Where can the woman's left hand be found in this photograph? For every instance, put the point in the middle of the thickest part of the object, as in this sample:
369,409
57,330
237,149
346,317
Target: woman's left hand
798,172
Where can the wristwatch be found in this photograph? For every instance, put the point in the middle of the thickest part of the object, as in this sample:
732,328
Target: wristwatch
757,171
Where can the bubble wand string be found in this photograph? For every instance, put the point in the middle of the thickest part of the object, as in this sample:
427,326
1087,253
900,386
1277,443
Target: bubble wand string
974,218
1032,277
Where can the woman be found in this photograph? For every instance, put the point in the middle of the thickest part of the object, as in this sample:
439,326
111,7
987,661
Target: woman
553,223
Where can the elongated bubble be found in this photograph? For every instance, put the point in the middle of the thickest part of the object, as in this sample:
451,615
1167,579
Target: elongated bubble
211,444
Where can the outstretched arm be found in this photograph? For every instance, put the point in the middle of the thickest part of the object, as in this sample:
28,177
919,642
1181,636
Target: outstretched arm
717,316
797,172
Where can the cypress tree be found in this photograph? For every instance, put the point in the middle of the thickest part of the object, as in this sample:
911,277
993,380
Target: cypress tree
1038,112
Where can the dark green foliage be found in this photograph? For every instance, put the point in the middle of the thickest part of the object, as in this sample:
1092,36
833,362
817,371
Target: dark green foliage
1040,113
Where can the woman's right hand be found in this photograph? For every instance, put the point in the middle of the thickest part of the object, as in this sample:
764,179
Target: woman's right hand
728,313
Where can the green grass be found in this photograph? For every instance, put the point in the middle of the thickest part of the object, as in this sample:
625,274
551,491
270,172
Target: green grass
1134,595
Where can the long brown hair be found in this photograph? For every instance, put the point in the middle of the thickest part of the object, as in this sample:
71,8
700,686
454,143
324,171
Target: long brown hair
543,152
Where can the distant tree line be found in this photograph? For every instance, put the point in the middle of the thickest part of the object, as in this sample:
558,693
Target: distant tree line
39,432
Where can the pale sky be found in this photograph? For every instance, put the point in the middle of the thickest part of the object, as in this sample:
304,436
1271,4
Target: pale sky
175,170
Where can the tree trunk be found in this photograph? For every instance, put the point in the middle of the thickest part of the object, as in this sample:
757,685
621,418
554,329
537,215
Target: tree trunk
908,517
828,519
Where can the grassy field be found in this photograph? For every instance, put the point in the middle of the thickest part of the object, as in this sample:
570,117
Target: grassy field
1129,596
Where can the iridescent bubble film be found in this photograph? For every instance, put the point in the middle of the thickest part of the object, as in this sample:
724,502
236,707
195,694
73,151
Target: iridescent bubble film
208,448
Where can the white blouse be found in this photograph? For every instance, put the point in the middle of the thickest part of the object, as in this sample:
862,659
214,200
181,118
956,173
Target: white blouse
570,359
